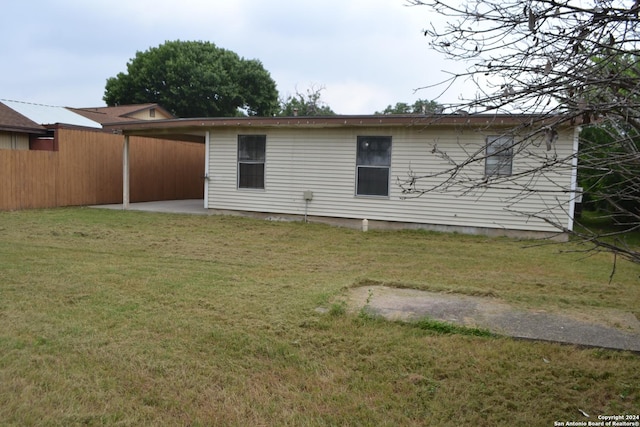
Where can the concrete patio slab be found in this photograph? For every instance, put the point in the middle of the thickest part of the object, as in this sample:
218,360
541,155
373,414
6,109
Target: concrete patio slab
191,206
610,329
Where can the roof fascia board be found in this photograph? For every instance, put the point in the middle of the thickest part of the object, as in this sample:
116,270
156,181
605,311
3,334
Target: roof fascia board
18,129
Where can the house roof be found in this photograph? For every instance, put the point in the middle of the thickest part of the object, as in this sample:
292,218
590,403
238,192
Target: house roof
120,113
50,115
193,129
12,121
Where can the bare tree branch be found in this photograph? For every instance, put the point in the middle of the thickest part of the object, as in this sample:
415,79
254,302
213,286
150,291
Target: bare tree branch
555,60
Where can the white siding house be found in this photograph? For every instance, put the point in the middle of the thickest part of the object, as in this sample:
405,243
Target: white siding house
353,167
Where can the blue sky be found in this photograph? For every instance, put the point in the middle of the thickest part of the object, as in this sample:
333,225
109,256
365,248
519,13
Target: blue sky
366,54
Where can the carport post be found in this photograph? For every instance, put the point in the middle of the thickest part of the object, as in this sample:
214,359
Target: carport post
207,143
125,173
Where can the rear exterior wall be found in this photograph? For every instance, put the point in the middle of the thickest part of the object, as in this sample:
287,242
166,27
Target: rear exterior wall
323,160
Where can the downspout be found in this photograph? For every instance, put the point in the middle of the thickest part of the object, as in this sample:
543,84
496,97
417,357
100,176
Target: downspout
574,178
125,173
207,145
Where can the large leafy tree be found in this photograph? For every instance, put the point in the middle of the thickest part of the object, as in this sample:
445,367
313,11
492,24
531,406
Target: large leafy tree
558,60
305,104
421,106
195,79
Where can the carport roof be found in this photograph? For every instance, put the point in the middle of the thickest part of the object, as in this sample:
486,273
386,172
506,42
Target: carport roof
194,129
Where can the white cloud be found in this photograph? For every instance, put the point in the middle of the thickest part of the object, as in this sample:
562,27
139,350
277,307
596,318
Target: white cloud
367,53
352,97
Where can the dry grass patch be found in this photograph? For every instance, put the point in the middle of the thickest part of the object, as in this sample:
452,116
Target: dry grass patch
125,318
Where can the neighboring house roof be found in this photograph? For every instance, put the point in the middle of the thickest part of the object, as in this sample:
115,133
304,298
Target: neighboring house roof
50,115
108,115
12,121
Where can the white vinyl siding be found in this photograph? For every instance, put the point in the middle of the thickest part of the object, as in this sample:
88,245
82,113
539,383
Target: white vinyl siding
323,160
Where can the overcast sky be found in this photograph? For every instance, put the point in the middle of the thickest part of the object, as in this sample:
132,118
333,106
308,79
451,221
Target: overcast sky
367,54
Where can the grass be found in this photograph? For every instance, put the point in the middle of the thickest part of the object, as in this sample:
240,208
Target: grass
128,318
448,328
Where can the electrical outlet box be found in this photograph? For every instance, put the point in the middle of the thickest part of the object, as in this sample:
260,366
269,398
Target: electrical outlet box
307,195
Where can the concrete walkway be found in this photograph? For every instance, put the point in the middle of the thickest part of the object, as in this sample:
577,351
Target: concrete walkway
609,329
193,206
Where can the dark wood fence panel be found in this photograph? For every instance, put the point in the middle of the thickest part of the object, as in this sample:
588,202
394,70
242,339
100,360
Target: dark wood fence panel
27,179
87,170
176,168
90,169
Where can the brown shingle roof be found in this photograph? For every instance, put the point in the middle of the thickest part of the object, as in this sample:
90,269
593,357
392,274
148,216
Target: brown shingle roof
12,121
121,113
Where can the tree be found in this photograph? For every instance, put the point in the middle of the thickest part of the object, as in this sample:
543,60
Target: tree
609,193
195,79
558,60
309,104
421,106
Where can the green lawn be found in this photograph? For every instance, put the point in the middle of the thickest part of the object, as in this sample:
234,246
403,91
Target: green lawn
129,318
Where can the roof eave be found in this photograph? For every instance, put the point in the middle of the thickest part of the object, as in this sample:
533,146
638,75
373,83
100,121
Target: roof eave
199,125
19,129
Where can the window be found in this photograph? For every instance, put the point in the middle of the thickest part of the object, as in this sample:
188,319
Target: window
499,159
373,164
251,156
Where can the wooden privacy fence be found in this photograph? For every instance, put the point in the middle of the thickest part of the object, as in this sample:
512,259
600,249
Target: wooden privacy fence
87,170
